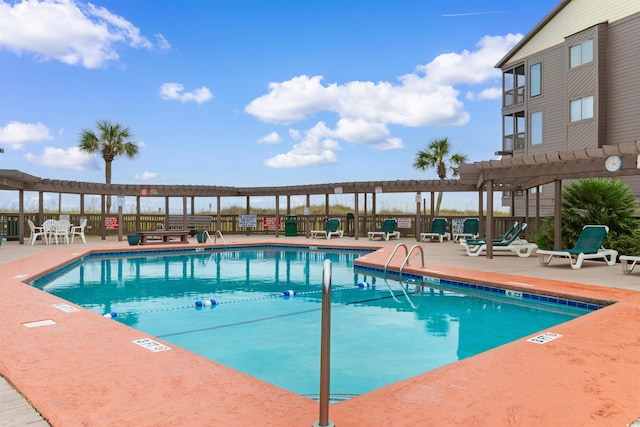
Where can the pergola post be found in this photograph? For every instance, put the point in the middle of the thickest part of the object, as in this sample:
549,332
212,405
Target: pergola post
247,211
103,231
373,212
418,222
557,215
481,225
489,238
277,215
356,217
21,216
218,215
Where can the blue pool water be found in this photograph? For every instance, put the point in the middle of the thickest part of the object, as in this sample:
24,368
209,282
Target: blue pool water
381,333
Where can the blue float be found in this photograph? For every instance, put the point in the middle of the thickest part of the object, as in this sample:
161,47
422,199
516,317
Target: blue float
411,281
206,302
289,293
111,315
364,285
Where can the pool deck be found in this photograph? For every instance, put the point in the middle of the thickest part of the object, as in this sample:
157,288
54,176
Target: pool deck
85,370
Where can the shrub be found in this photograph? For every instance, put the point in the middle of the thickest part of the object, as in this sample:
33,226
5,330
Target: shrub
595,201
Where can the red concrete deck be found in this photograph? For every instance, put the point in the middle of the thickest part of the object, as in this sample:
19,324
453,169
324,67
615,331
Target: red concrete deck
85,369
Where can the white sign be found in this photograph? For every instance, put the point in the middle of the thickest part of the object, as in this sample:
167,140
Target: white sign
247,220
457,225
39,323
544,338
404,222
65,307
151,345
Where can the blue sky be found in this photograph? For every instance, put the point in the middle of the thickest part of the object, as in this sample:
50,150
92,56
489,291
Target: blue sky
254,93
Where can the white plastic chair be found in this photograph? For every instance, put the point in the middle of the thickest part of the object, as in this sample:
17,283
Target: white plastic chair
49,226
62,229
35,232
78,230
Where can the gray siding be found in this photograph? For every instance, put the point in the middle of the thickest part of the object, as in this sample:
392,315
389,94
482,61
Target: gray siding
582,81
613,78
624,81
551,102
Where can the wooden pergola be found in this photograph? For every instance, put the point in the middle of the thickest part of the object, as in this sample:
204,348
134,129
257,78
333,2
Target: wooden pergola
507,174
22,182
529,171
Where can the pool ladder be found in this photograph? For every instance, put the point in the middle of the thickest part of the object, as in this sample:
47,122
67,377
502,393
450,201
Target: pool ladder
215,237
409,253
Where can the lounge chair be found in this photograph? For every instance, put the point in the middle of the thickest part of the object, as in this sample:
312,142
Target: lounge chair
470,228
387,231
628,262
506,236
438,230
35,232
588,246
514,244
78,230
331,229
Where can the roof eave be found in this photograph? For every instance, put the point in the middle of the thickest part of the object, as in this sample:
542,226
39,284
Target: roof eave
532,33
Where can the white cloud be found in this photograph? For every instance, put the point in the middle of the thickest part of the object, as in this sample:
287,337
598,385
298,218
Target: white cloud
272,138
71,159
470,67
430,96
18,134
488,93
68,31
316,148
293,100
146,176
174,91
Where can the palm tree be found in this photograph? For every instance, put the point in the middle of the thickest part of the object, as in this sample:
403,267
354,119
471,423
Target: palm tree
438,156
113,141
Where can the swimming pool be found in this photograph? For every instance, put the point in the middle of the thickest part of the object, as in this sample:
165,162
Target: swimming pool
383,331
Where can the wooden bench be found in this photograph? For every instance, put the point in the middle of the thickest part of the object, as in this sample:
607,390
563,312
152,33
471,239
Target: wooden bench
193,224
163,236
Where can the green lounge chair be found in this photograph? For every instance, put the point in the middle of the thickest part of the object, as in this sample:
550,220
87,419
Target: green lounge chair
387,231
506,236
588,246
514,244
470,227
331,229
438,230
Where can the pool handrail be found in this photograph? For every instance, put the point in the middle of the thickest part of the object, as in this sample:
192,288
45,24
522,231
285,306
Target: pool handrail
406,261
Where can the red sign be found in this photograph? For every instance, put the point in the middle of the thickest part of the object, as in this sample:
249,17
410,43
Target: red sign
144,192
111,223
269,222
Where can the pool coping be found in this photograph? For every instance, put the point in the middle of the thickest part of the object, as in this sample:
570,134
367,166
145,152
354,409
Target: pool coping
582,378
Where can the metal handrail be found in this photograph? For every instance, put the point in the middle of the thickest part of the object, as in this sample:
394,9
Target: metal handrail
325,344
406,260
398,246
215,237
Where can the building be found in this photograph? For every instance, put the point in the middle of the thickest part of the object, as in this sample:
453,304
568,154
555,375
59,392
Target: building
572,83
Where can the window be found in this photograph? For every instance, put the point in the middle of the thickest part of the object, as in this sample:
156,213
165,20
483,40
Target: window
513,86
582,108
581,53
514,129
536,128
535,80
